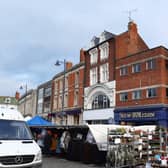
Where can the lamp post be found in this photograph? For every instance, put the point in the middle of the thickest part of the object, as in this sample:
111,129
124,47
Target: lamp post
21,88
58,63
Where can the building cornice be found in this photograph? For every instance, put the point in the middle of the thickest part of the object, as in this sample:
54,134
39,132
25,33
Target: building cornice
143,60
142,88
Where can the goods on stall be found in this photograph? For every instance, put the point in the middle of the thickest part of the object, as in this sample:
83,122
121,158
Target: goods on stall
137,146
120,148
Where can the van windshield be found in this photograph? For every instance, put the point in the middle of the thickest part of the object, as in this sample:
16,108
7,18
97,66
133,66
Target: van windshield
14,130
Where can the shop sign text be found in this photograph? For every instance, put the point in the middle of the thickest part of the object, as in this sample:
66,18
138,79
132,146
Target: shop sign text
137,115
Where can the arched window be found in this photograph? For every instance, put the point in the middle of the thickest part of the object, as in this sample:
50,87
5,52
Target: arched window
100,102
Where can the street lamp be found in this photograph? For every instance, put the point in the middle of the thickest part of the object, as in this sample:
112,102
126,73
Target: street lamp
58,63
21,88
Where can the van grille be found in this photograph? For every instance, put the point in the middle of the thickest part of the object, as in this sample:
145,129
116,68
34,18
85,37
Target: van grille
16,160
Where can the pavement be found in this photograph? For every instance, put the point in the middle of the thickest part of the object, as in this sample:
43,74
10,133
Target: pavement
57,162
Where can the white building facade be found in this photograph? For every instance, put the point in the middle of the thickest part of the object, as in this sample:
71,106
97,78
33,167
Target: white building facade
99,91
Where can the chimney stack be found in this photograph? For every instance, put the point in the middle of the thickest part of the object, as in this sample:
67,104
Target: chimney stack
68,65
132,27
82,55
132,38
17,95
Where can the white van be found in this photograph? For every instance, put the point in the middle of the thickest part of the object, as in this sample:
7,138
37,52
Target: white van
17,146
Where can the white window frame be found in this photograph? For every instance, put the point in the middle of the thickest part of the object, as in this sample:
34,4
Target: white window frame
123,71
124,96
60,102
104,73
93,56
136,68
150,64
76,98
151,92
66,83
95,103
66,100
98,104
93,76
136,95
104,51
40,93
40,108
77,79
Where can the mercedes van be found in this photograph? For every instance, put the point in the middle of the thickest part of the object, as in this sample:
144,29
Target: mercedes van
17,147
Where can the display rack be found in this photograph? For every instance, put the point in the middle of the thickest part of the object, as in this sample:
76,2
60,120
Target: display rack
121,151
132,147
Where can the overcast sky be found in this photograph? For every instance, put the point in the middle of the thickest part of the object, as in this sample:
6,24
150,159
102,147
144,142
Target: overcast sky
36,33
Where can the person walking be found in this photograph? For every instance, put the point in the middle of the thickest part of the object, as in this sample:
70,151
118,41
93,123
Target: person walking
47,142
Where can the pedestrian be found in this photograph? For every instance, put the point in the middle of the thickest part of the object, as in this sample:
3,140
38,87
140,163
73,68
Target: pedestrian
54,142
40,141
47,143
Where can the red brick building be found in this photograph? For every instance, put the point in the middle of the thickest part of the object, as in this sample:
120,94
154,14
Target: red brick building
135,85
68,110
141,83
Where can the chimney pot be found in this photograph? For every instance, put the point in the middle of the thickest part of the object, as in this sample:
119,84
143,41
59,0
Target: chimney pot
17,95
68,65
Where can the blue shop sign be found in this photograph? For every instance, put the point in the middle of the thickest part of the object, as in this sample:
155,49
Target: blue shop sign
136,115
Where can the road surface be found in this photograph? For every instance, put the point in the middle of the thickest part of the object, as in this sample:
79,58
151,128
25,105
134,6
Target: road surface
56,162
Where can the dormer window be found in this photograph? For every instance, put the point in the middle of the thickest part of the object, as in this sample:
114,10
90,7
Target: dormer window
102,37
94,41
105,36
104,51
93,56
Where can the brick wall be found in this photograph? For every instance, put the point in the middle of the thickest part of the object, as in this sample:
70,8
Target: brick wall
70,91
144,78
129,42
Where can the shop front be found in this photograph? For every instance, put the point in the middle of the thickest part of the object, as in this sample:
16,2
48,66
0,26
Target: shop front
142,115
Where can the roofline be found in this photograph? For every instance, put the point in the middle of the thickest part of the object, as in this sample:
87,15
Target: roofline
45,83
26,94
143,52
113,37
71,69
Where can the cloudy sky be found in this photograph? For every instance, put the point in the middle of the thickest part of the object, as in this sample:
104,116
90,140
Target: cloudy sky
36,33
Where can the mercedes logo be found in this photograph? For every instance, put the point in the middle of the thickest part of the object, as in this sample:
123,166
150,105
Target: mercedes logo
18,159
